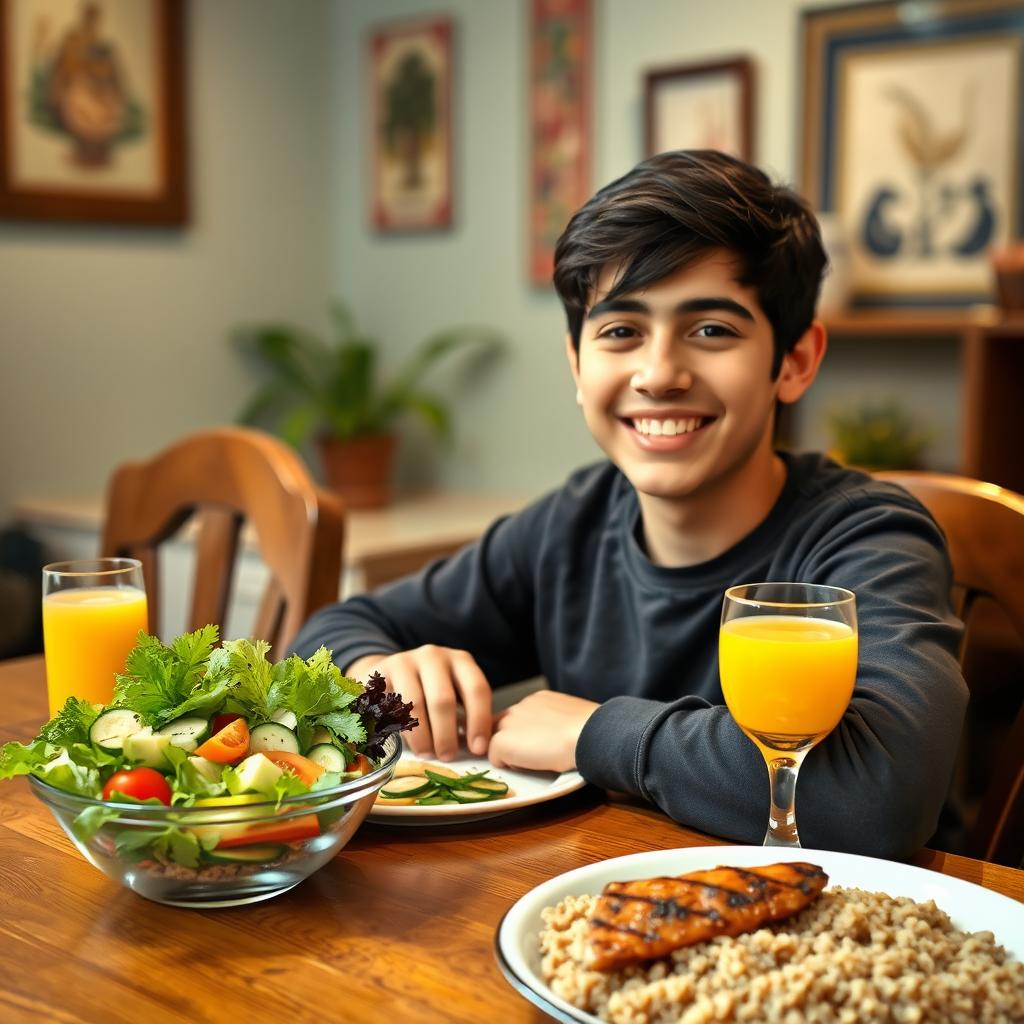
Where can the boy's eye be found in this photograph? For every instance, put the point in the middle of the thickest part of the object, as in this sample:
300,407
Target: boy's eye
714,331
619,332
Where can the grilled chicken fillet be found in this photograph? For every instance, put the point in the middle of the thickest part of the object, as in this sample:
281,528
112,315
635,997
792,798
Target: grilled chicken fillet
648,918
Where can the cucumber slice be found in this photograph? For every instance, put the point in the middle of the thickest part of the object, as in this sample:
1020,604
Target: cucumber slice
431,801
411,785
493,786
469,796
186,733
442,778
248,854
273,736
112,727
328,756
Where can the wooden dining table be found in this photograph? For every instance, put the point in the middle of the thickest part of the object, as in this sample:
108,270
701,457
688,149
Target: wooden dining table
398,928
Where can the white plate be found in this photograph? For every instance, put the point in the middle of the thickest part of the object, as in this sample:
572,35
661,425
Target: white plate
971,907
528,788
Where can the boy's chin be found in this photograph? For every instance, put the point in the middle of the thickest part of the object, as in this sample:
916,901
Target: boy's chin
665,487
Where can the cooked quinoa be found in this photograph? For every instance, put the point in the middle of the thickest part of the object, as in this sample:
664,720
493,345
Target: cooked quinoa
851,956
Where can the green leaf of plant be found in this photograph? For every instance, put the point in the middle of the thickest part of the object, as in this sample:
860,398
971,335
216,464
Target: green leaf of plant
432,411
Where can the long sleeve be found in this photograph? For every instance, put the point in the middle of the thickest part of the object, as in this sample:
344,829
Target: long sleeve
480,600
877,783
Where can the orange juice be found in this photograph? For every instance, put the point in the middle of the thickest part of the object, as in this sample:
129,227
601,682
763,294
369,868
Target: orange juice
87,634
787,675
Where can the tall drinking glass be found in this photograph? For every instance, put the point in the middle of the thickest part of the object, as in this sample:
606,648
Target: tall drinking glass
787,656
92,613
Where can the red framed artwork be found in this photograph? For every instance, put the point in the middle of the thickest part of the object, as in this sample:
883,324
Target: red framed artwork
92,111
560,87
411,110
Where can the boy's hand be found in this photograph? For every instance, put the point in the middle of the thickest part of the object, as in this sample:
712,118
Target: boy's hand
540,732
436,680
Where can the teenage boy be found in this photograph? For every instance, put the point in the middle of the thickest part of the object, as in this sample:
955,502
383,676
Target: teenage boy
689,286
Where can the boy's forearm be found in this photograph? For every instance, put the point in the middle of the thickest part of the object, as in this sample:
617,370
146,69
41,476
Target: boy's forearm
873,786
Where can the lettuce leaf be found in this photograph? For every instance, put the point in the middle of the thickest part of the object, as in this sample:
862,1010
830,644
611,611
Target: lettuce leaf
164,844
19,759
70,724
188,783
63,773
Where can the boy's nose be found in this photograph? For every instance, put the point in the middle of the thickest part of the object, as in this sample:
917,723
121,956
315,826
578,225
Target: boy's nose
659,375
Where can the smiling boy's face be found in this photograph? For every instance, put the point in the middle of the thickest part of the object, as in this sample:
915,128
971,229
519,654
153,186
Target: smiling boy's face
675,381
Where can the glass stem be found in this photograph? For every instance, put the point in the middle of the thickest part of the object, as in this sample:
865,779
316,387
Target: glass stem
782,776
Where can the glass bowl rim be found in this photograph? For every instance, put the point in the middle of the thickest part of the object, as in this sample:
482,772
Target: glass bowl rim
299,803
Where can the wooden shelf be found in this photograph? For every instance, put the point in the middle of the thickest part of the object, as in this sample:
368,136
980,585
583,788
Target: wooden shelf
992,377
913,322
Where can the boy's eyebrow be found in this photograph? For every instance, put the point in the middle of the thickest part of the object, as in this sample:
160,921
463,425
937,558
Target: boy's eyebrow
713,303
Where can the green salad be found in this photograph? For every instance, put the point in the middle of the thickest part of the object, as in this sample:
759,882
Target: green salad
193,724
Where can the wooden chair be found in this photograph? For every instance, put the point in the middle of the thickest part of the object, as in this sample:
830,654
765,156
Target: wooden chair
222,478
984,527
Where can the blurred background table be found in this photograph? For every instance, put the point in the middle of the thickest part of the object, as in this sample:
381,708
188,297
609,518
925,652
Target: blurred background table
400,925
380,545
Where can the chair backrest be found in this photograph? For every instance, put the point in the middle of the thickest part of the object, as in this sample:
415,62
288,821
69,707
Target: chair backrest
223,478
984,528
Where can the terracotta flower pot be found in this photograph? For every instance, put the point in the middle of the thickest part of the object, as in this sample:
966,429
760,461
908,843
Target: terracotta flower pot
360,468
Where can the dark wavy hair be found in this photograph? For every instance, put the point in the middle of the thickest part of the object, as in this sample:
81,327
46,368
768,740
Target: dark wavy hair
670,210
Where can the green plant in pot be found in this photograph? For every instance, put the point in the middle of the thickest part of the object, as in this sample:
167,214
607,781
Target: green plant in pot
877,436
329,391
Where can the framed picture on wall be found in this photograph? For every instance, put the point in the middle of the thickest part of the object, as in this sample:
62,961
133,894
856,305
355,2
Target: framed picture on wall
700,106
560,89
411,110
92,111
911,139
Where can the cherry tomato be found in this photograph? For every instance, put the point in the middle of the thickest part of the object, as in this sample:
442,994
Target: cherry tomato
308,771
228,745
224,718
140,784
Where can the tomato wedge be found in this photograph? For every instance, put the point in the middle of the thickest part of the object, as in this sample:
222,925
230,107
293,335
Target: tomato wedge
292,831
308,771
224,718
361,765
228,745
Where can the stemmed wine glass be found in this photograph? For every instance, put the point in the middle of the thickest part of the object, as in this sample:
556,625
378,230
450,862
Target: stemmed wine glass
787,656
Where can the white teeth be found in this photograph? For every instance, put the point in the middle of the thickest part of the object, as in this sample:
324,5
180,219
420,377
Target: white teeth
666,428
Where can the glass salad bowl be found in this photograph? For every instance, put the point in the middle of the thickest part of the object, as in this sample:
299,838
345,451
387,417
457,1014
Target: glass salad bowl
230,851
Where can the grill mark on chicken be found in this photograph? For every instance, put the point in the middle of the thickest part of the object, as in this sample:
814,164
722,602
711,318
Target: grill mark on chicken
647,919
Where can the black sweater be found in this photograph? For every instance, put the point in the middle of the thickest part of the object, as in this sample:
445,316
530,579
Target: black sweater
564,589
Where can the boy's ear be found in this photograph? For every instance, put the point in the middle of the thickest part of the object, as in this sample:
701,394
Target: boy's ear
801,362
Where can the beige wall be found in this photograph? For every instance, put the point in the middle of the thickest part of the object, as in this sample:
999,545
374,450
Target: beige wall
519,430
113,340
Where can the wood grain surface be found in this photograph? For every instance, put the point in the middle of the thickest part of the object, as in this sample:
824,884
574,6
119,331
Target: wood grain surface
399,927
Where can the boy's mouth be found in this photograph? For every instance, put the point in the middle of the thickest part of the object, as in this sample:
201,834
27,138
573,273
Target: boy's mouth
666,433
660,427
